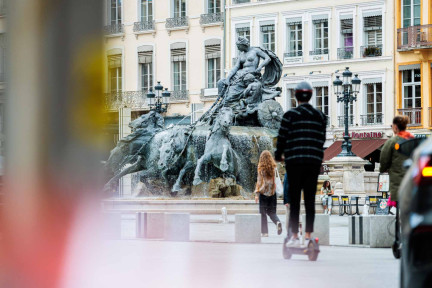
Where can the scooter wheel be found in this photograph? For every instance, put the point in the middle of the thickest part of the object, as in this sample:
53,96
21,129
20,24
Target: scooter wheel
312,253
396,250
285,251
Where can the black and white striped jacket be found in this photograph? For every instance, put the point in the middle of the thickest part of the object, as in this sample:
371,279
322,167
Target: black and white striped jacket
302,135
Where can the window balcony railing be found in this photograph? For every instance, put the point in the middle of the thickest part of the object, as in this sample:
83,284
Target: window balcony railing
371,119
293,54
240,1
128,99
177,22
345,53
371,51
414,37
341,120
179,96
206,19
144,26
319,51
114,29
414,115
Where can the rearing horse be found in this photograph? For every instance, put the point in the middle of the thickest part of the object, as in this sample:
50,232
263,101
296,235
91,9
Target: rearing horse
218,149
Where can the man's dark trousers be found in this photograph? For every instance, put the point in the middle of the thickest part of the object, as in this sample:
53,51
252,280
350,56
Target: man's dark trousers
302,176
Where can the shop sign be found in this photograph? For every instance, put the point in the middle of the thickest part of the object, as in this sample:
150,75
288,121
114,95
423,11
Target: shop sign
293,60
324,57
364,135
421,135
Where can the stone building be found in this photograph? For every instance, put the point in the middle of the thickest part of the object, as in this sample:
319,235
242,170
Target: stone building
413,63
317,40
176,42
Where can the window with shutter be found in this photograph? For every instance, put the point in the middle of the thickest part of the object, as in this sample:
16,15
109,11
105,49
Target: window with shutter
268,37
178,58
213,56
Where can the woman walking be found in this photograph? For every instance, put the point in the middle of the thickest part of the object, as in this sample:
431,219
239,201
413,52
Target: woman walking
326,192
265,192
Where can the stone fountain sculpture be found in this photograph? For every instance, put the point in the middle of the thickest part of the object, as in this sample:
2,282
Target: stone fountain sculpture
241,123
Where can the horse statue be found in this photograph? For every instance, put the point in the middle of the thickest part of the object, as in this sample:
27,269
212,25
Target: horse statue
130,147
218,150
176,156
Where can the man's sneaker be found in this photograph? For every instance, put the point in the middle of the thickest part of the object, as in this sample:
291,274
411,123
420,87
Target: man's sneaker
264,235
293,242
279,227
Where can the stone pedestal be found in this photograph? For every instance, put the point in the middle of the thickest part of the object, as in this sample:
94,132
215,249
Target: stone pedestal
359,229
112,226
177,226
155,225
350,172
382,231
321,228
248,228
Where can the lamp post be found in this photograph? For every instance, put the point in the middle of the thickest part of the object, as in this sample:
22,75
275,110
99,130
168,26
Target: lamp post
158,101
346,92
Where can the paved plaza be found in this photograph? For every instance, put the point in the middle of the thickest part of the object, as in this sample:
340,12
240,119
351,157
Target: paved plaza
212,259
138,263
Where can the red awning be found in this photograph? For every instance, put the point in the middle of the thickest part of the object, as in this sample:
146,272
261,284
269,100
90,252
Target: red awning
361,148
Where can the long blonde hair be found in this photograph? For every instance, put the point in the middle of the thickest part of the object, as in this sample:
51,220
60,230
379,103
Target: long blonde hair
266,164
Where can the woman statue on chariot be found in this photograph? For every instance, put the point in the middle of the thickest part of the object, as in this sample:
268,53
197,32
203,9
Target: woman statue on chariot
246,76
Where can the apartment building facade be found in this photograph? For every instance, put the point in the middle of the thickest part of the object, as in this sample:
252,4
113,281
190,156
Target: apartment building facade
176,42
317,40
413,63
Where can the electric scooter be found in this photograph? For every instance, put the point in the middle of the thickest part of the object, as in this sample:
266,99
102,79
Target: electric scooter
311,248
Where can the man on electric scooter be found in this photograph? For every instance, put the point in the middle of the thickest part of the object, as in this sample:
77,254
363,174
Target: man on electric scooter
300,143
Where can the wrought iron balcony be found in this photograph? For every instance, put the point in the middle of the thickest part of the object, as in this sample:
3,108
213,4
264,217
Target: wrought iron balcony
240,1
114,29
319,51
144,26
177,22
414,115
371,119
345,53
293,54
341,120
211,18
179,96
371,51
128,99
414,37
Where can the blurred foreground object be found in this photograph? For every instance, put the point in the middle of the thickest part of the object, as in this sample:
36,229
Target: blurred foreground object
53,124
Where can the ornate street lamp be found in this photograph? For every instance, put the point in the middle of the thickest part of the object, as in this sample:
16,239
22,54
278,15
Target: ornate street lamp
158,101
346,92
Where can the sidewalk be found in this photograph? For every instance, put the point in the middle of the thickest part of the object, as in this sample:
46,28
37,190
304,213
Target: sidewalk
207,228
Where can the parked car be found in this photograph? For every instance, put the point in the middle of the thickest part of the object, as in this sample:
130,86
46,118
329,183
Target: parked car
415,202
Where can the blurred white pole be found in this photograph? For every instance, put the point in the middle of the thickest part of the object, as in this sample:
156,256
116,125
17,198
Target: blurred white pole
53,123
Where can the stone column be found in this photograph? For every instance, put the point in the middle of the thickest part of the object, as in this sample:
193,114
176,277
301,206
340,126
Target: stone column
350,171
125,184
